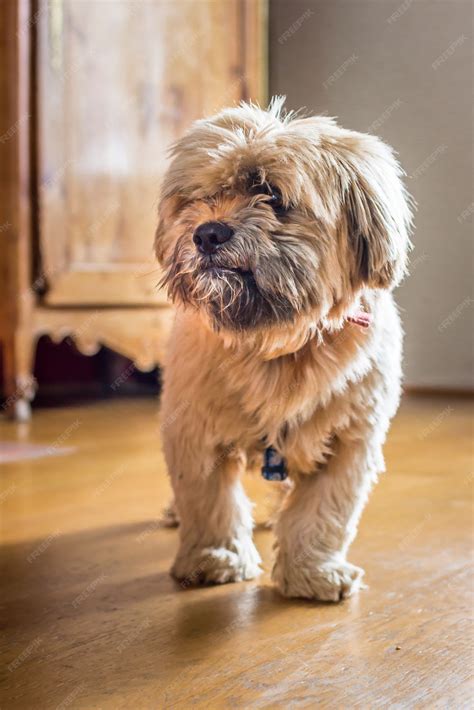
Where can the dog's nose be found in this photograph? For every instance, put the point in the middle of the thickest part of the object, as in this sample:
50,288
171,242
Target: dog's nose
210,236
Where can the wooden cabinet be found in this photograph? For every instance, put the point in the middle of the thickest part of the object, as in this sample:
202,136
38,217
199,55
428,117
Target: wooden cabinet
94,93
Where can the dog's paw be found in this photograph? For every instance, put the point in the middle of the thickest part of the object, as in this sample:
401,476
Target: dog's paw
330,581
169,516
217,565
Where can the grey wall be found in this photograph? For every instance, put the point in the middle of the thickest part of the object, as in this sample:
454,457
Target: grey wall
401,70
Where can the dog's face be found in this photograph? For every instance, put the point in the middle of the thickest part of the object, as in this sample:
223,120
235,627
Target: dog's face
265,220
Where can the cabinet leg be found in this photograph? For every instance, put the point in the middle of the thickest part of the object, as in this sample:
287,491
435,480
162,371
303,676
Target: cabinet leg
20,385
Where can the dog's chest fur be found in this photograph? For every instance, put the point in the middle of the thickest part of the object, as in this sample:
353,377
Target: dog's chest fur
297,402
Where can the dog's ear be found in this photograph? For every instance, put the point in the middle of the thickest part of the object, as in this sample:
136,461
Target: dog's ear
168,208
376,209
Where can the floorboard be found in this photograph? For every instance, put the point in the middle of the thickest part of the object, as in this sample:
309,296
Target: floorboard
91,619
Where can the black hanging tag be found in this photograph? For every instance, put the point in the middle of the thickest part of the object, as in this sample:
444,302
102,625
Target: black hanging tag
274,465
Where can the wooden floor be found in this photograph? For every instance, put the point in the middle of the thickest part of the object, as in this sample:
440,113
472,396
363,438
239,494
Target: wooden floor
91,619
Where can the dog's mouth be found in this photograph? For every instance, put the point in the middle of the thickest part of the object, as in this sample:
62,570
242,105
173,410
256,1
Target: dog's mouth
243,278
237,302
231,294
217,269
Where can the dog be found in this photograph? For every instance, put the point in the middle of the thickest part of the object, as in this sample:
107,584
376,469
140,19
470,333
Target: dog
281,238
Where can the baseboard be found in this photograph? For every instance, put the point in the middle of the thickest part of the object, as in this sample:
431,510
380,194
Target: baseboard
465,393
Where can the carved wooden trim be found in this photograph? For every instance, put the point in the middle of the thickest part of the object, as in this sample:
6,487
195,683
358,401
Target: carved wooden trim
138,333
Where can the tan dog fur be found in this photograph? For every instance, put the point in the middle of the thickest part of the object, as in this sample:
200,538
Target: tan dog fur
261,348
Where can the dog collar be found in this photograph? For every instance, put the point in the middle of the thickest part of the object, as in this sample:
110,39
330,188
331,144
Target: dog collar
360,318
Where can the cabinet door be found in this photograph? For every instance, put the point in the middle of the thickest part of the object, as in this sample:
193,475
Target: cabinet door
117,82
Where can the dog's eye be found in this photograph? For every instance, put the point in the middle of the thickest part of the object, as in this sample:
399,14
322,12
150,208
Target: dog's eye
276,200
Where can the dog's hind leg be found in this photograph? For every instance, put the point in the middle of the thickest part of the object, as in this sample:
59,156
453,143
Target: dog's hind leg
320,520
215,518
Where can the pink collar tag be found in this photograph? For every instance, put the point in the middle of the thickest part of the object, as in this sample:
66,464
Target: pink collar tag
360,318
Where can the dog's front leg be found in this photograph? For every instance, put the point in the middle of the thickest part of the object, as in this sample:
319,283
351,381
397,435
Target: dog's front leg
320,521
215,515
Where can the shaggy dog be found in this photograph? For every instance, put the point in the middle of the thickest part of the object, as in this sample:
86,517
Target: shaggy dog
279,237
